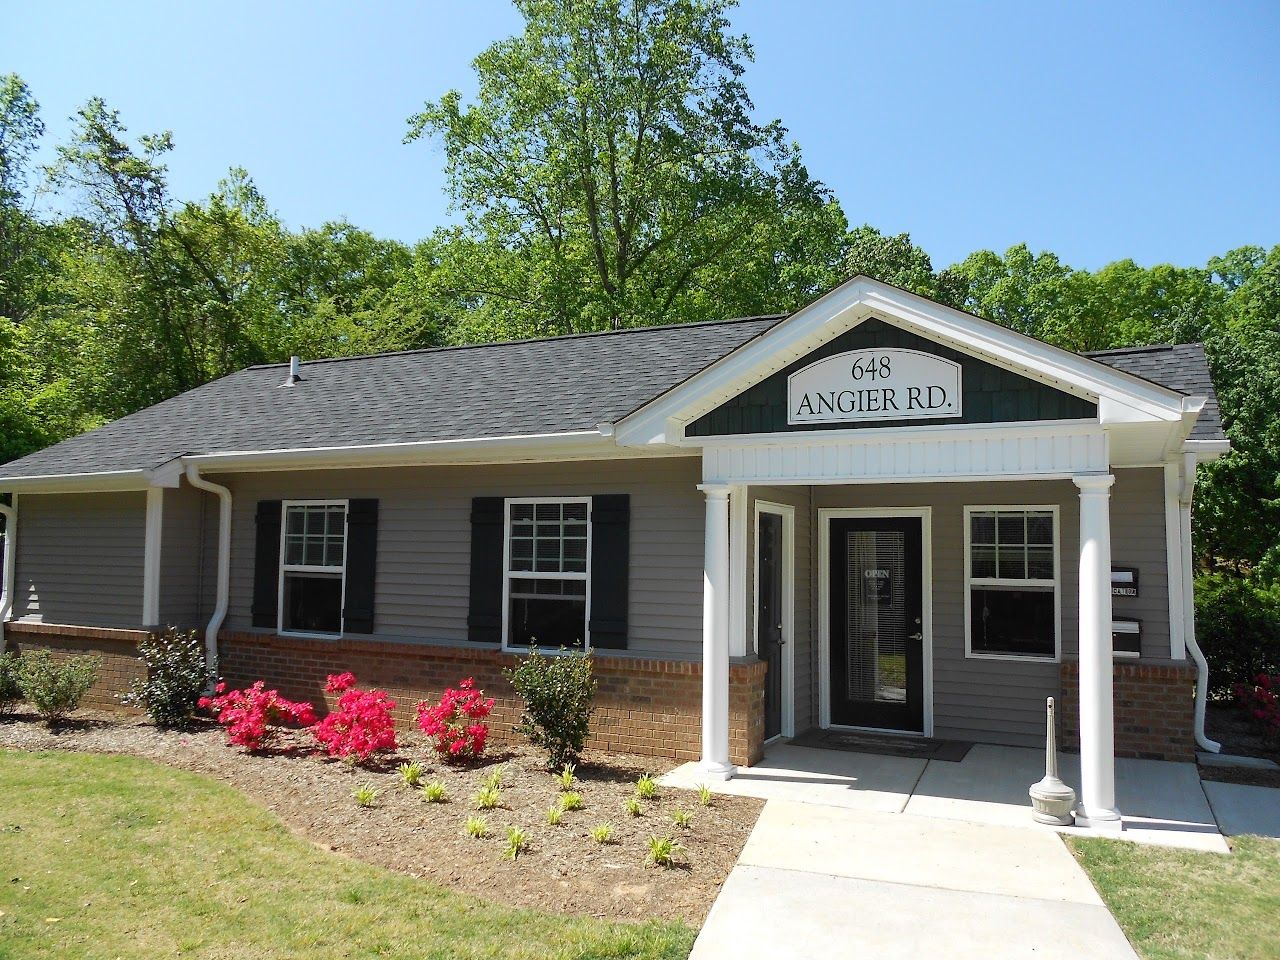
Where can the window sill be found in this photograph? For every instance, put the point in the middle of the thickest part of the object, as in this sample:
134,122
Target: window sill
303,635
1012,657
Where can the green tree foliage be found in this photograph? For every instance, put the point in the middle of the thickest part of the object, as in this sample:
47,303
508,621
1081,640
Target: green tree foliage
610,174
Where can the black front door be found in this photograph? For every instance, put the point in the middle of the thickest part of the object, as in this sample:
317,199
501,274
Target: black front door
769,639
877,654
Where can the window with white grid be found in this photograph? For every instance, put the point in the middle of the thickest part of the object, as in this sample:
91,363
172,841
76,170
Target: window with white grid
548,550
1011,573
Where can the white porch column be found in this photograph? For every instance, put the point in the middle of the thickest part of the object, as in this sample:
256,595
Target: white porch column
1097,725
151,558
715,635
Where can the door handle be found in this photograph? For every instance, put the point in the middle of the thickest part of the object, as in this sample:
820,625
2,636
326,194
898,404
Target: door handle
918,637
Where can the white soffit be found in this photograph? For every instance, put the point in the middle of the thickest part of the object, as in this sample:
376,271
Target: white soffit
1120,395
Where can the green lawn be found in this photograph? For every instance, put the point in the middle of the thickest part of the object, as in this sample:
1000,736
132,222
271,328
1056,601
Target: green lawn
105,857
1179,905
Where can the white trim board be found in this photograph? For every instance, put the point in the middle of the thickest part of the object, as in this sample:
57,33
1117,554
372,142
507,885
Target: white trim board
825,516
788,514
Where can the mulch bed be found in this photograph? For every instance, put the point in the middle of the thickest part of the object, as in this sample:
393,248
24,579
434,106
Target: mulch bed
1228,724
564,871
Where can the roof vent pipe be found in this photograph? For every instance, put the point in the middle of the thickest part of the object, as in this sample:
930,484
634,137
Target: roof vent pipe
295,372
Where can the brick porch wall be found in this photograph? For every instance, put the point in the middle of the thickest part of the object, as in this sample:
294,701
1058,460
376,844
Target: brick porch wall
118,650
1154,708
644,706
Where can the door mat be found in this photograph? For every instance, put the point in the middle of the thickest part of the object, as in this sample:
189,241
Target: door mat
951,751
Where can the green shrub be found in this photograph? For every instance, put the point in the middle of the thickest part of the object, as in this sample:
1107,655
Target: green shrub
663,851
177,674
633,806
366,795
1238,627
489,798
646,787
602,833
477,828
682,818
517,843
555,816
410,774
10,692
55,688
559,694
571,801
434,792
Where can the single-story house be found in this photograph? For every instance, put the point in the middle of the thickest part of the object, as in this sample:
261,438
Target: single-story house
876,513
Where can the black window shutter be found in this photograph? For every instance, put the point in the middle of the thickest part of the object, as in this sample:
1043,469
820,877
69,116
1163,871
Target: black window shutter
266,565
362,557
610,570
484,613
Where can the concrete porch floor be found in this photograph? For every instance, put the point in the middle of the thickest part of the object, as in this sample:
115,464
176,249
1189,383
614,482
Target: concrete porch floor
1162,803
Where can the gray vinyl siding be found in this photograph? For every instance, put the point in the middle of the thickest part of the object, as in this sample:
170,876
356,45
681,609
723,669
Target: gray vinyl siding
424,539
80,559
182,553
805,648
1138,540
999,701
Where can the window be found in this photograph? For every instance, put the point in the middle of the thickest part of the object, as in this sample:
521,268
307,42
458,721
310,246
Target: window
313,566
1011,566
547,588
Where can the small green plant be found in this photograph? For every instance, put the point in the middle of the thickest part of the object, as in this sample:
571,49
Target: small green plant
517,843
10,692
633,806
493,779
177,673
489,798
647,787
54,687
477,828
410,774
571,801
663,851
704,795
366,795
565,776
682,818
434,792
559,695
602,833
555,815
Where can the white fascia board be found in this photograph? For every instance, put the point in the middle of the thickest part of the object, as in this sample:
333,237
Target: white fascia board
1206,450
846,307
103,482
881,435
580,445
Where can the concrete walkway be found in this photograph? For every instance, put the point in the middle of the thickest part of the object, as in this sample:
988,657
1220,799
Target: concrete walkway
1163,803
835,882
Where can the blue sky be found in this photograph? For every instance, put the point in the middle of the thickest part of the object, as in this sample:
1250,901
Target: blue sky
1096,130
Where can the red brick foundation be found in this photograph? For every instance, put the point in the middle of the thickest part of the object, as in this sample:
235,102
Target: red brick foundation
1154,709
118,650
644,706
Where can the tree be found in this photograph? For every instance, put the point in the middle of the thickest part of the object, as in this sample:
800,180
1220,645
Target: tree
611,174
20,233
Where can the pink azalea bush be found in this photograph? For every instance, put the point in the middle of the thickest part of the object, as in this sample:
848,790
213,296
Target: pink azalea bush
361,725
253,715
456,724
1261,700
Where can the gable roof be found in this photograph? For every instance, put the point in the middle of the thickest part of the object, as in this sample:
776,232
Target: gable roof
556,386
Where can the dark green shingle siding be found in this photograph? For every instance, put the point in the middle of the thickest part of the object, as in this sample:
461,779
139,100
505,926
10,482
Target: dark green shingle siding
991,394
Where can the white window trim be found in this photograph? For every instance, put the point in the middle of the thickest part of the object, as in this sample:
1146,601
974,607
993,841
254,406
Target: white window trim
304,568
508,573
970,582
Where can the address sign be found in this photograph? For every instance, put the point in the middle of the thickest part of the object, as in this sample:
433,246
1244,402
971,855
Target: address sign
888,384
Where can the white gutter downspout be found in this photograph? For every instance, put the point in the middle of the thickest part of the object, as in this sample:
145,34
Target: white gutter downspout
224,565
1188,604
10,515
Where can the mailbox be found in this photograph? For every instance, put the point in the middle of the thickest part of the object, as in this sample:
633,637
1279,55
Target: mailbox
1126,637
1124,581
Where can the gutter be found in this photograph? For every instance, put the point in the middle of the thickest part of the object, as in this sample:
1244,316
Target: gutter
224,566
1185,496
10,515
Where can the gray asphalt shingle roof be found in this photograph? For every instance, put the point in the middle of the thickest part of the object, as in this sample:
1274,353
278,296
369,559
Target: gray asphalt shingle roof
1182,367
555,385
